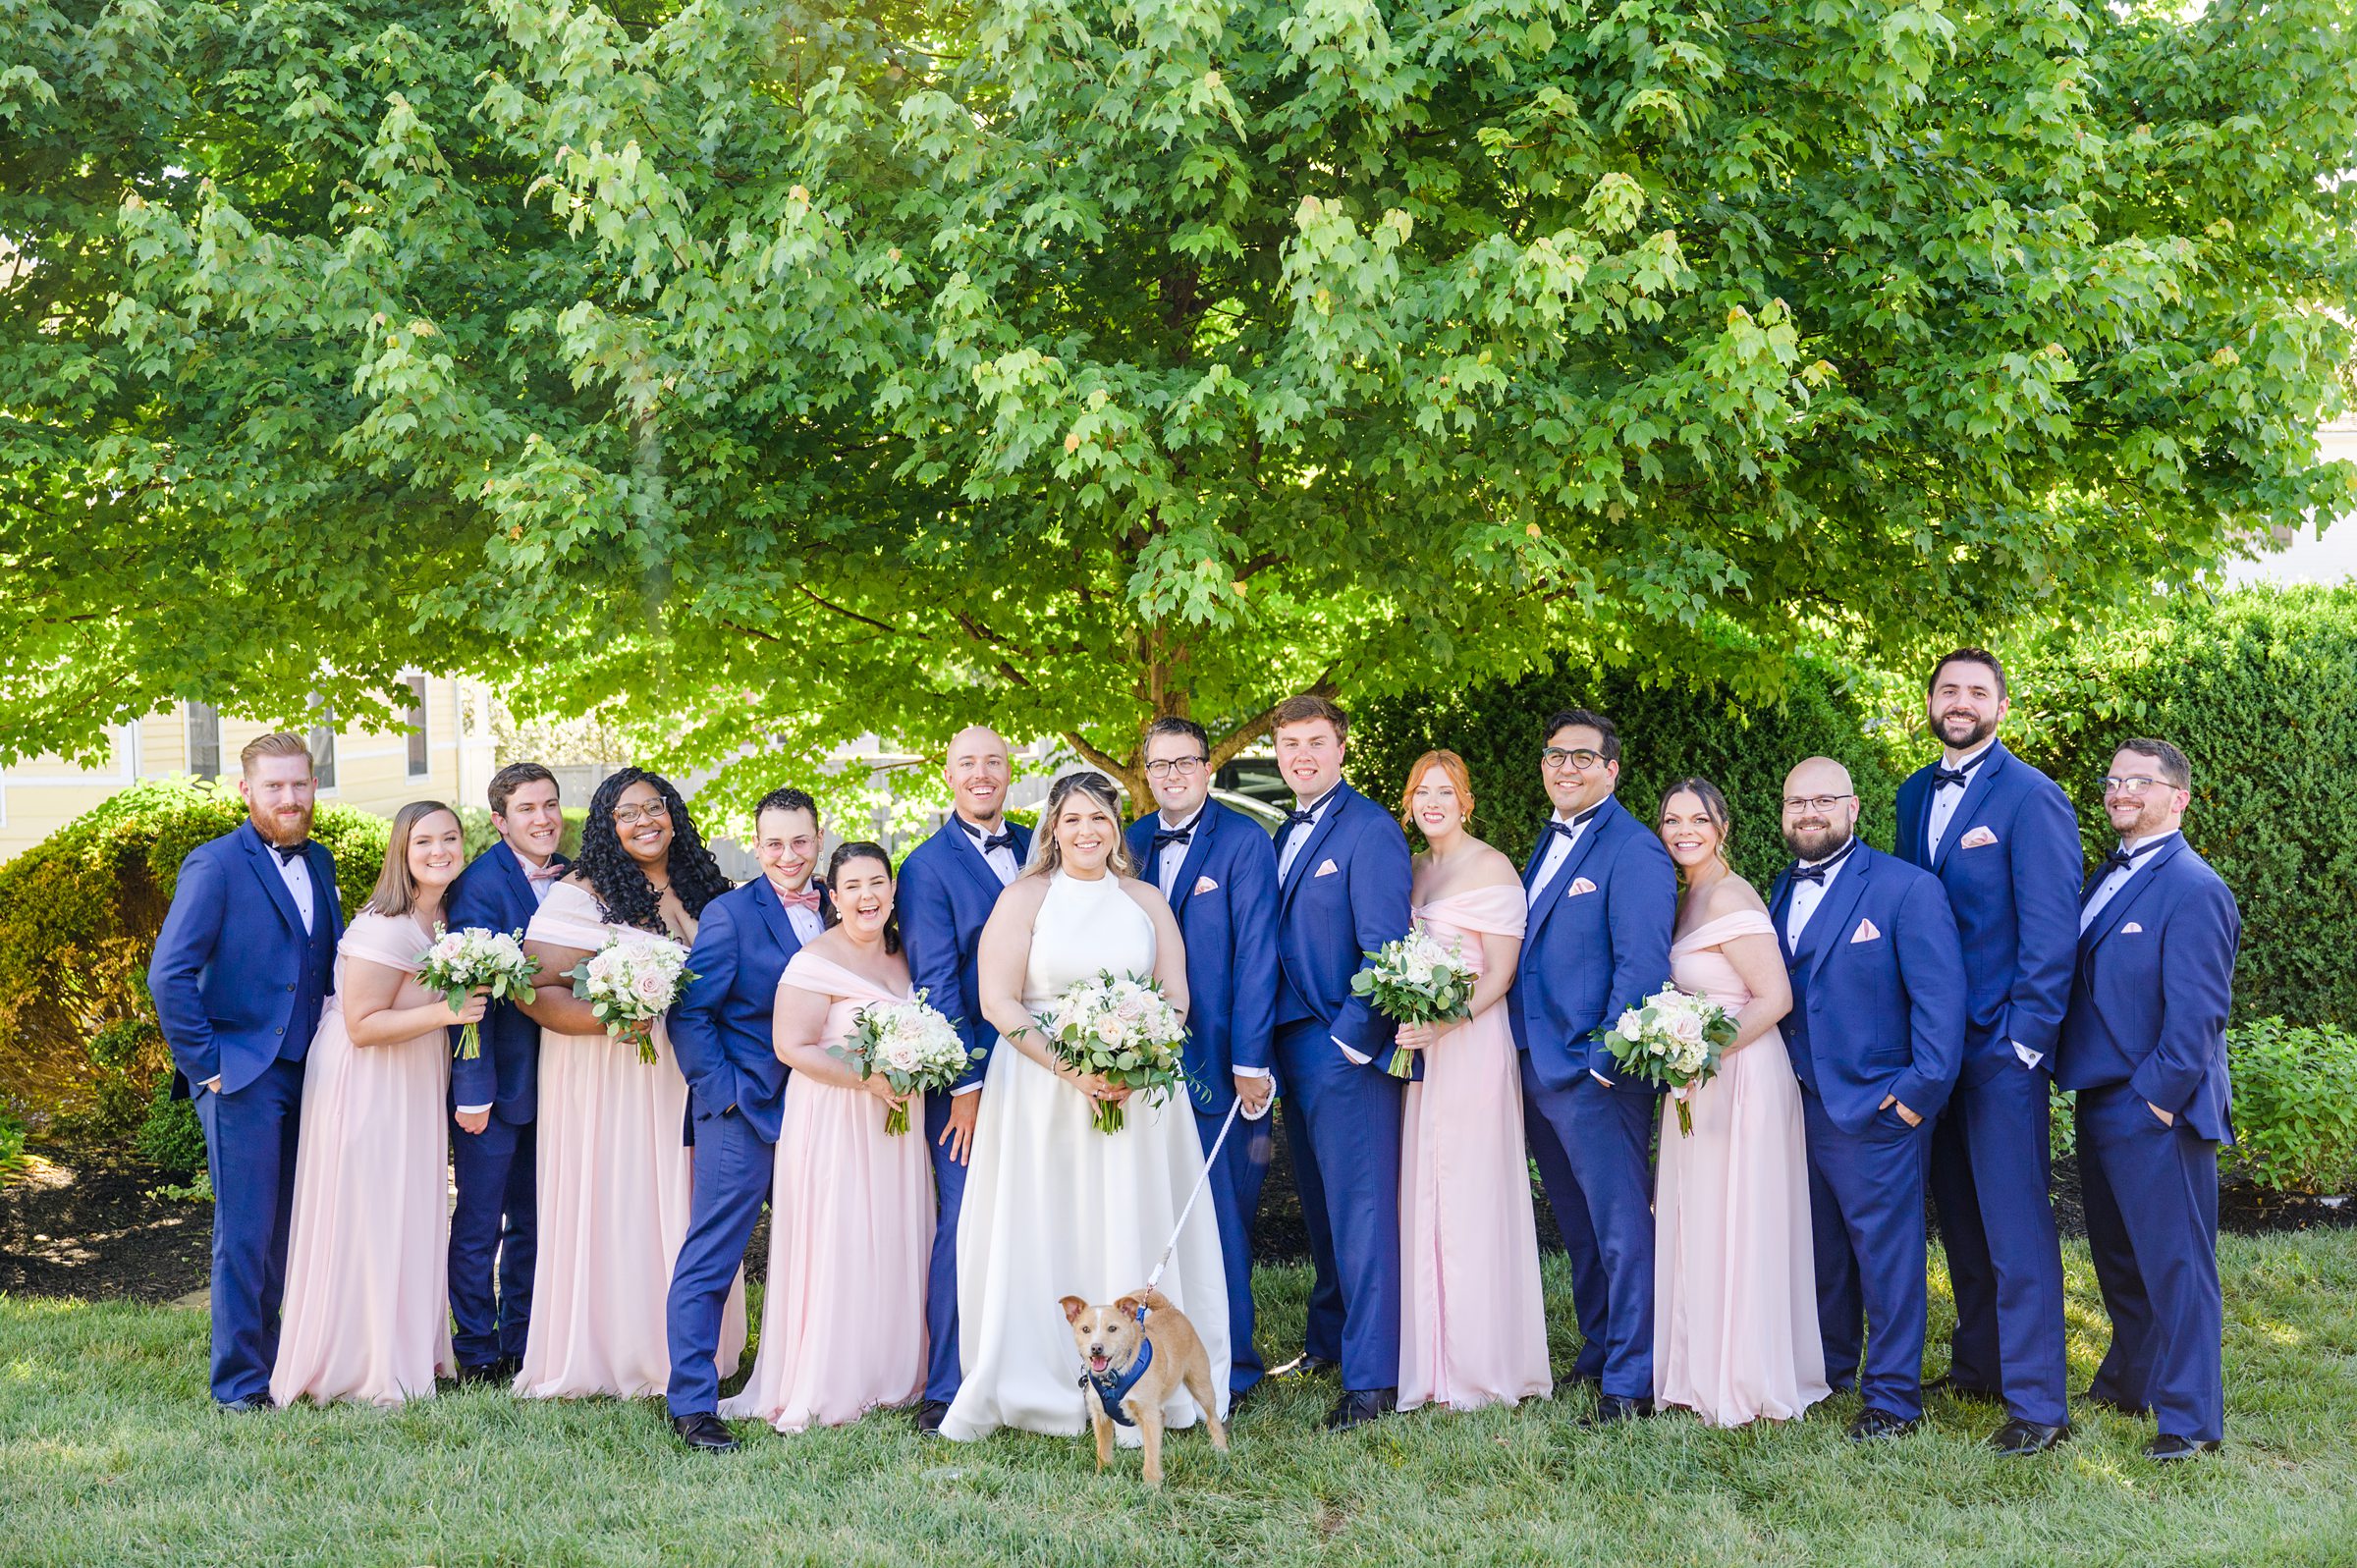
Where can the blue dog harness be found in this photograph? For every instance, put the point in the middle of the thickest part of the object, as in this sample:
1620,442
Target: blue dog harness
1113,1387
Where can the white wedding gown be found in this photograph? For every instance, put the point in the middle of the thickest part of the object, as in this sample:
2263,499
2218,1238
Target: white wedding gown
1055,1207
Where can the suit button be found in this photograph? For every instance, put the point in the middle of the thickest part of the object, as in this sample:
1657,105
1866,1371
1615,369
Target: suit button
282,1031
290,987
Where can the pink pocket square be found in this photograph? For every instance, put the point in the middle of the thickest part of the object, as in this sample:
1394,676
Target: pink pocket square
1327,869
1866,932
1978,838
1579,884
1206,885
2130,929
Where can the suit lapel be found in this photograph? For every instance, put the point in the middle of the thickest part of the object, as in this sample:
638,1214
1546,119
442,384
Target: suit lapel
1553,893
969,854
1198,851
773,915
1779,906
1828,925
2116,913
1976,793
265,861
1306,863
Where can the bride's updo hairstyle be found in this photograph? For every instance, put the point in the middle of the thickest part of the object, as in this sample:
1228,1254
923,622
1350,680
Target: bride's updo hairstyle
861,849
1046,859
1714,810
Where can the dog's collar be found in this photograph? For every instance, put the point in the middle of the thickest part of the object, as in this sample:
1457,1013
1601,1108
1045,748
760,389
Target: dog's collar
1113,1387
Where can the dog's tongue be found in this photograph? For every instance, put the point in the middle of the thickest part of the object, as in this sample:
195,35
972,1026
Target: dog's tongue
1099,1362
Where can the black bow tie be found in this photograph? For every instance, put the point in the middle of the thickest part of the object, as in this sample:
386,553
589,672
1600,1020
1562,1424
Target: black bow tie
1955,776
1004,839
287,854
1163,837
2123,857
1823,868
1299,819
1571,828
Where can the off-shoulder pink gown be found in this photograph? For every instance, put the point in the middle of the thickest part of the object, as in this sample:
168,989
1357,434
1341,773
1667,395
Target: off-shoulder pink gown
850,1234
614,1178
1473,1314
1734,1317
364,1315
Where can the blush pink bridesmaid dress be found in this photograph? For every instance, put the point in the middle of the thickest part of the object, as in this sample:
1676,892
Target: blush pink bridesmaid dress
1473,1314
364,1317
614,1178
850,1235
1734,1317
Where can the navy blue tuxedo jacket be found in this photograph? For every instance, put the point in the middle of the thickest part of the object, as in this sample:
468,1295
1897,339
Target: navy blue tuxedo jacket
945,897
2014,891
1598,944
722,1027
494,894
1225,899
1329,919
235,974
1878,991
2155,979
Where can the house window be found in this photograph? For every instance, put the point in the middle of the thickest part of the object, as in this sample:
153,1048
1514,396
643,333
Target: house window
323,738
204,741
419,765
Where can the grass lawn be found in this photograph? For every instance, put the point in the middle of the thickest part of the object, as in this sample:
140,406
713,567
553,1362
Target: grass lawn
109,1453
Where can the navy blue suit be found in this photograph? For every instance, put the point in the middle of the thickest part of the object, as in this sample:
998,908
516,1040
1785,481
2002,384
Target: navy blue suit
493,1229
238,987
1343,897
1224,898
2147,1026
721,1032
1878,1011
2009,859
945,897
1598,944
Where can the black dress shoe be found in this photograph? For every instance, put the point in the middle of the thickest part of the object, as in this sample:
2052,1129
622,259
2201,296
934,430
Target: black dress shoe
250,1405
2117,1406
1613,1409
2019,1437
1306,1365
486,1372
705,1432
1873,1425
1359,1406
1238,1398
929,1414
2167,1448
510,1368
1946,1383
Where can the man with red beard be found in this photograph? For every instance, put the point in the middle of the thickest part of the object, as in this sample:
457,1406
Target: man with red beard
243,969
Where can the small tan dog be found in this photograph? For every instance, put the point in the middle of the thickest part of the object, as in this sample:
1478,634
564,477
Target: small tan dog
1112,1342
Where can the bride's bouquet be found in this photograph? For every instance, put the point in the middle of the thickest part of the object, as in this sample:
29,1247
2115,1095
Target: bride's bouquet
911,1045
1676,1040
1122,1029
461,960
1417,979
629,984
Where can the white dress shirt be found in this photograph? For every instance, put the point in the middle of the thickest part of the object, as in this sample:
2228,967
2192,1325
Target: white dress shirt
1298,834
806,923
1945,800
1000,860
297,875
1559,850
1807,896
2121,876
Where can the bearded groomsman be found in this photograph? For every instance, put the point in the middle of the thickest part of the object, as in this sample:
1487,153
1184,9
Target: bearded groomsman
2001,838
494,1096
946,887
1876,1035
243,967
2144,1045
1342,877
1217,871
1603,897
721,1033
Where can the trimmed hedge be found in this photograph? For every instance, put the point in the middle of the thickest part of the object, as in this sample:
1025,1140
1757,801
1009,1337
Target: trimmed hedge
79,917
2296,1105
1666,734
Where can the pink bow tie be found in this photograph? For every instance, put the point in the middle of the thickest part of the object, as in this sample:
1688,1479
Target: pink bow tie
807,898
548,873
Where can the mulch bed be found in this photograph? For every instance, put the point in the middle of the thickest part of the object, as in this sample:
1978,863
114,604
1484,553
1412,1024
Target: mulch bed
92,1228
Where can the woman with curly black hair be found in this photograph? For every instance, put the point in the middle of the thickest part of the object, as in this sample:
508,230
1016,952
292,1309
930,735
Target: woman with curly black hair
614,1176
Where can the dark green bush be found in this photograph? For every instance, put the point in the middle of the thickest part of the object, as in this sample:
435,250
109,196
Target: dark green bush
125,1058
171,1138
11,1148
2296,1105
1665,733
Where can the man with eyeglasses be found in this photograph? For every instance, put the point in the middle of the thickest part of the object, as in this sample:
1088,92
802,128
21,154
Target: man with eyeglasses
1877,1035
2002,838
1217,871
2144,1043
1602,897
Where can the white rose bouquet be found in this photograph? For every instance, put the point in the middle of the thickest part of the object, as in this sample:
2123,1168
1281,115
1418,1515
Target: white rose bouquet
1122,1029
1676,1040
1417,979
459,961
911,1045
630,984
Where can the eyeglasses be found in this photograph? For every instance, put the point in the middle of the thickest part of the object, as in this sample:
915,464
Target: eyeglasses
1823,805
631,816
1580,761
1176,767
2132,787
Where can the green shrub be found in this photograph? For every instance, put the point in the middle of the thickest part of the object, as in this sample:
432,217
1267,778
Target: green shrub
2296,1105
171,1138
78,916
1665,733
12,1149
475,821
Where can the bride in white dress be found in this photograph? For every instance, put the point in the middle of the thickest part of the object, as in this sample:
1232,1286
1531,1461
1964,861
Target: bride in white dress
1053,1207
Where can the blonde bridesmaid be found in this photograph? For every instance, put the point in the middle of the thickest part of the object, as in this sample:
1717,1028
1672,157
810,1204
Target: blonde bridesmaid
612,1168
1473,1315
842,1324
365,1260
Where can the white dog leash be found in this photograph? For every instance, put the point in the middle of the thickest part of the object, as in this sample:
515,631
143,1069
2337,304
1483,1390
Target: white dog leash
1217,1144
